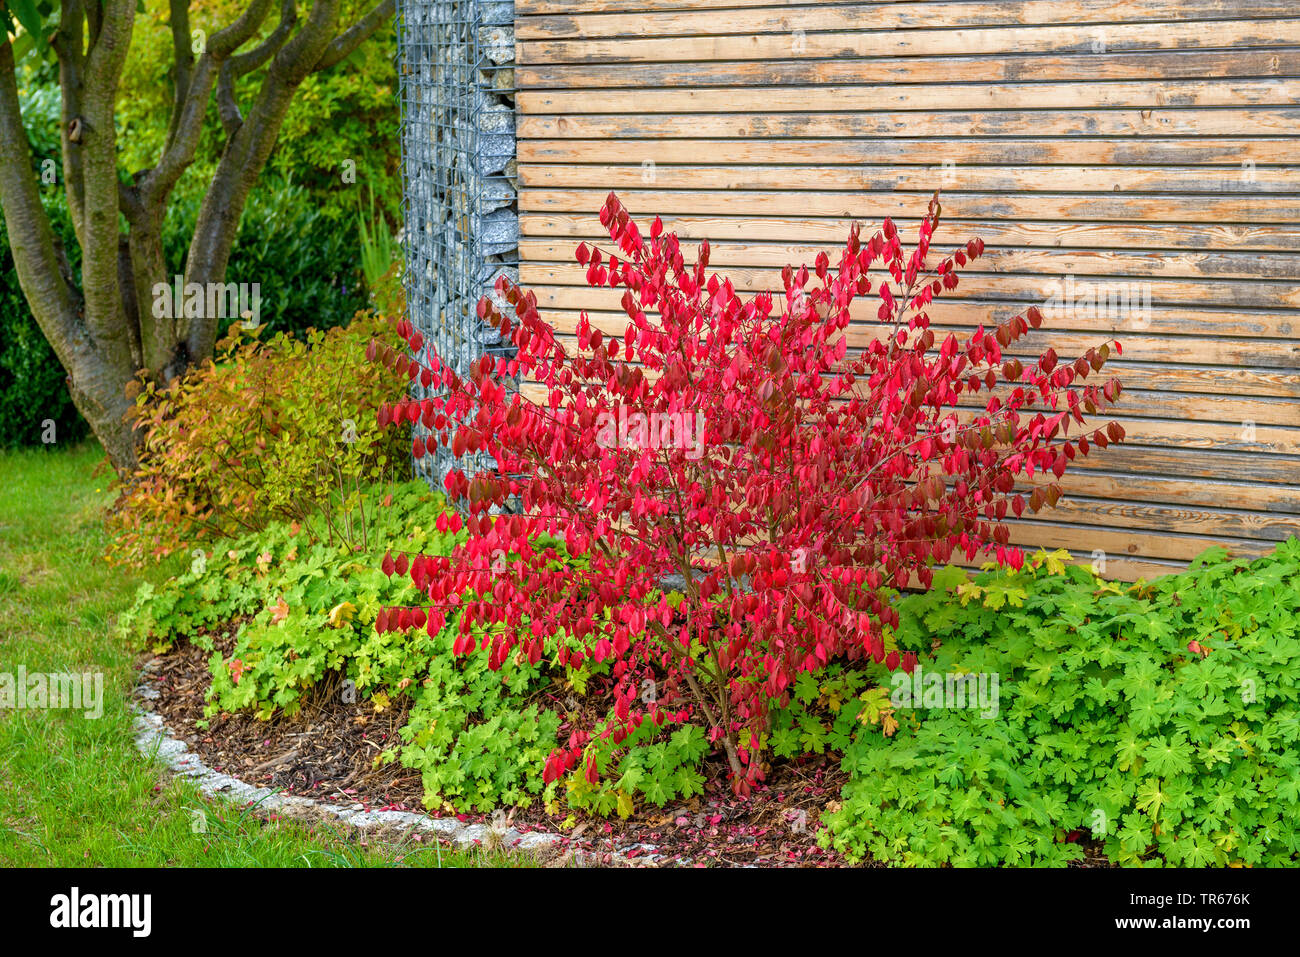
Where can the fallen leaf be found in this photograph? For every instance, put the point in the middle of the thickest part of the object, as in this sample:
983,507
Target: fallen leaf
342,613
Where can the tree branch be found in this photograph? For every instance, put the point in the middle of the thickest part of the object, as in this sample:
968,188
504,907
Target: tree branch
182,64
350,39
237,66
67,45
99,235
245,155
298,57
226,41
186,124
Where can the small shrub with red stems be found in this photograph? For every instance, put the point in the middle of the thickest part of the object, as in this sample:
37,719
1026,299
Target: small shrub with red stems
785,464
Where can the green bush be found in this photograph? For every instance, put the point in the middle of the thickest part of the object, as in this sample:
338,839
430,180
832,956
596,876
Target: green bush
307,267
33,386
283,429
1161,719
32,382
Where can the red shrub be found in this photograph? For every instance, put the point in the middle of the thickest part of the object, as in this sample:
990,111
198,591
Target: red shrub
819,477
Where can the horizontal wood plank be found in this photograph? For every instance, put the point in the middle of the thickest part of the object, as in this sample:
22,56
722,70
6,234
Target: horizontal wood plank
876,205
1066,121
1245,179
1169,65
1110,38
1235,154
699,17
832,231
920,97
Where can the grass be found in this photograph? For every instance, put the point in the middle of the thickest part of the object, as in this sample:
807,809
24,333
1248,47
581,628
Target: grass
75,792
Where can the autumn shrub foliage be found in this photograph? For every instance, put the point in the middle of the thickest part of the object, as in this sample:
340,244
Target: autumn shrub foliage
276,429
784,462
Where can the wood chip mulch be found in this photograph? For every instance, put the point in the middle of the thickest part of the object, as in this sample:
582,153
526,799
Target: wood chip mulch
328,751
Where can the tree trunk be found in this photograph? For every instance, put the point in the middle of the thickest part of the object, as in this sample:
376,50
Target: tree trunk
98,366
107,332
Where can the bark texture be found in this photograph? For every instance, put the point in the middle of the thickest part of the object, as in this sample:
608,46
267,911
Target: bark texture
104,331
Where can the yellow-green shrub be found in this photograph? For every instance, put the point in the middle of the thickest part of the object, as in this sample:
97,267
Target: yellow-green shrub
283,429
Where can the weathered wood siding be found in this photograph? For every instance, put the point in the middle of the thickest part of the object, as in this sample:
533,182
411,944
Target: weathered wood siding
1135,141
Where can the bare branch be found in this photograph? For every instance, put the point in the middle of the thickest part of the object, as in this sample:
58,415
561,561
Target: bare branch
245,155
67,45
226,41
182,64
94,18
298,57
186,124
99,235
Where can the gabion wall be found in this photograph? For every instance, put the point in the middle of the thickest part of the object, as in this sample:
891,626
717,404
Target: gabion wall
455,66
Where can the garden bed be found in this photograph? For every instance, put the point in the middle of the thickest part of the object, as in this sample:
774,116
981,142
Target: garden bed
327,752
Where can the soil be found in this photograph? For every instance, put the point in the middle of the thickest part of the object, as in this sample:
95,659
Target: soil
328,751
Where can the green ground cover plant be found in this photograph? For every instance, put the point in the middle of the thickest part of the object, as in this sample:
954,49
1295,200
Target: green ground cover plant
309,610
1160,719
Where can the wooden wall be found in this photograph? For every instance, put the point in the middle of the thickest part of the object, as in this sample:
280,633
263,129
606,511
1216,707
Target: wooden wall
1149,141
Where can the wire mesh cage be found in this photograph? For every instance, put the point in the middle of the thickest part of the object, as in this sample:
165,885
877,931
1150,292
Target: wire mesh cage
455,68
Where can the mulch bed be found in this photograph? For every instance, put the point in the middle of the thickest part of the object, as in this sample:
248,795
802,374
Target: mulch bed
327,751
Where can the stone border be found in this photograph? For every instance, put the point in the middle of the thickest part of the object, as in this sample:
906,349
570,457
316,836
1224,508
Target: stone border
155,740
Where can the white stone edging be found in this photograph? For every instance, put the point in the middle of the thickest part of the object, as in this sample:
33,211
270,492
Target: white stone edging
155,740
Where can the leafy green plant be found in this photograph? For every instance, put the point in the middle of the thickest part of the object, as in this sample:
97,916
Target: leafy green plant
378,250
476,736
661,764
307,611
822,713
304,263
1160,719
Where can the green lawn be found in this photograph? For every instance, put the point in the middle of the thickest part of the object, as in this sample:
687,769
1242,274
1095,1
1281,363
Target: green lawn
76,792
